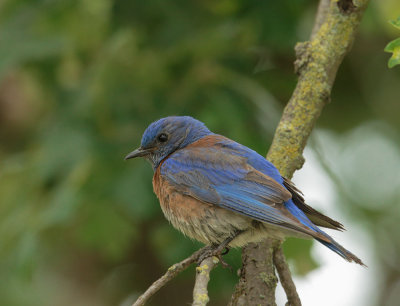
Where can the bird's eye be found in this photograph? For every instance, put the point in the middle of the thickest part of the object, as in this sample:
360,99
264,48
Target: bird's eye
162,137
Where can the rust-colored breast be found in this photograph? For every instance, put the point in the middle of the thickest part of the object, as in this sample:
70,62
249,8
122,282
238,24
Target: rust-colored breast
185,213
176,205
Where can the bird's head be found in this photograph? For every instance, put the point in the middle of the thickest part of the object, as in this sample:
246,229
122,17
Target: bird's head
167,135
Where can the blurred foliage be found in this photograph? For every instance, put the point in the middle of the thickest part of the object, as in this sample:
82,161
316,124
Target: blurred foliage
80,81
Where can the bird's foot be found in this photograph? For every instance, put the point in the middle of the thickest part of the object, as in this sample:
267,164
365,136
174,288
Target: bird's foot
225,251
224,264
208,251
217,251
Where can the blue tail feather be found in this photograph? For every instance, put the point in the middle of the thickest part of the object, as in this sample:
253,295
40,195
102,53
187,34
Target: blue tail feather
338,249
332,244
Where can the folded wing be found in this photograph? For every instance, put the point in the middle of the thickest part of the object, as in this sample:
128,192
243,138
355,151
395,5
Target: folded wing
219,176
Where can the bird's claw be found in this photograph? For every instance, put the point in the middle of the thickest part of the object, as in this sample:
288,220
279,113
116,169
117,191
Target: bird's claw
216,251
225,251
224,264
207,252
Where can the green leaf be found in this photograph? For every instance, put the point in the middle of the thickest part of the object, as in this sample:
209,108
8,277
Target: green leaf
393,47
390,47
395,23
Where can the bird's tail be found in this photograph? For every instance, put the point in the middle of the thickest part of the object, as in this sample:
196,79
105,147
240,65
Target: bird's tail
338,249
317,233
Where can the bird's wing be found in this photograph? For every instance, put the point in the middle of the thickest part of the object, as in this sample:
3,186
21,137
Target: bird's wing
214,172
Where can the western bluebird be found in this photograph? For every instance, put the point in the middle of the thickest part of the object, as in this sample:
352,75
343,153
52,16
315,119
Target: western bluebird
220,192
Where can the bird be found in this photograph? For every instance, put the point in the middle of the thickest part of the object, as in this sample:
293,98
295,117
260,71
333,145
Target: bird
225,194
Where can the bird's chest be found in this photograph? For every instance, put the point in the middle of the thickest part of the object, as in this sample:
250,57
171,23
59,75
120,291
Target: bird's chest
185,213
204,222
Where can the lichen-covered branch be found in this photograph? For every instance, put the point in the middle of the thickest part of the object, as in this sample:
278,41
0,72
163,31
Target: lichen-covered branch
317,63
200,292
323,8
258,267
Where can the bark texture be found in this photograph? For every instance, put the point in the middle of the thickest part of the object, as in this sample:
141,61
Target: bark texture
258,267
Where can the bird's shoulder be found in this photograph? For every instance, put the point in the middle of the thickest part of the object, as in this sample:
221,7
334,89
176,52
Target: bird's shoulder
215,161
212,152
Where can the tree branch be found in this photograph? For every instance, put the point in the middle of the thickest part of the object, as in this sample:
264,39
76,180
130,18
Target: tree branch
257,268
285,277
200,292
322,11
317,63
171,273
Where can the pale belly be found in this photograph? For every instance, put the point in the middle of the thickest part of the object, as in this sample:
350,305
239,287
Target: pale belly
211,224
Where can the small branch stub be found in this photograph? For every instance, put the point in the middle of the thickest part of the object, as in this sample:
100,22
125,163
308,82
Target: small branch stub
346,6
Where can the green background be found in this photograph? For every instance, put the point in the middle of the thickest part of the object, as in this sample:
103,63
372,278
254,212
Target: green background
81,80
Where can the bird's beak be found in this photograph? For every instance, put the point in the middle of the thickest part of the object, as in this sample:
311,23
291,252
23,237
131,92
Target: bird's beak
139,152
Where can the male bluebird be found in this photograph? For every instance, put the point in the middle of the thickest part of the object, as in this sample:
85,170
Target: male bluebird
222,193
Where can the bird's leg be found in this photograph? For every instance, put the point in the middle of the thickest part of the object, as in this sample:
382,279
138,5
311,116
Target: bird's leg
219,250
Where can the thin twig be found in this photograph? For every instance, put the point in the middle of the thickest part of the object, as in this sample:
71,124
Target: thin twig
285,277
171,273
200,292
